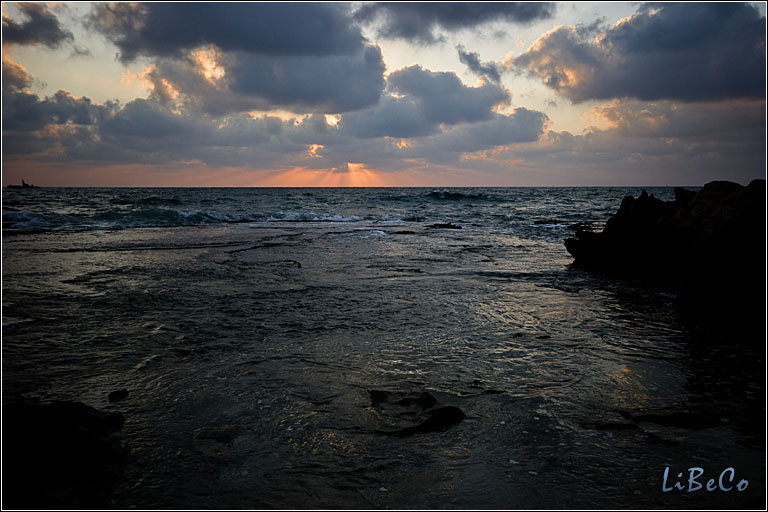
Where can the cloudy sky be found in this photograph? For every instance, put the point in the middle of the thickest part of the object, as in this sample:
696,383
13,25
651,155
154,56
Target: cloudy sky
383,94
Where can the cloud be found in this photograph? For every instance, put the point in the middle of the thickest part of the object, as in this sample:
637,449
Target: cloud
520,126
419,22
725,122
420,101
331,84
645,143
677,51
391,117
489,70
305,57
25,111
41,27
444,98
15,76
242,82
64,128
171,29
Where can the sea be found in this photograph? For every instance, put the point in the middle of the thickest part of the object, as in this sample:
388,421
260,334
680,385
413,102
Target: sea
257,330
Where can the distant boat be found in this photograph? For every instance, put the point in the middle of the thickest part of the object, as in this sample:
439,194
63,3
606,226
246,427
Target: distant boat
24,184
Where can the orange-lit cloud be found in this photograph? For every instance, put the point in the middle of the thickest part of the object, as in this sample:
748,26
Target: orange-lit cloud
332,119
313,149
150,78
14,74
403,144
620,116
207,60
285,116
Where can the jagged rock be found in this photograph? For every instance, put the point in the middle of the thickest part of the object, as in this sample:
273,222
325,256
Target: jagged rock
709,244
583,225
60,455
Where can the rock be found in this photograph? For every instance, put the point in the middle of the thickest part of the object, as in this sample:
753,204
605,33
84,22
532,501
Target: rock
444,226
116,396
709,245
478,384
60,454
424,400
378,396
409,413
224,435
439,419
583,225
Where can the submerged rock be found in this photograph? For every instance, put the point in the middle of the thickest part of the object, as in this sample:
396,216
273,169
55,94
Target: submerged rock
709,244
424,400
225,435
60,455
438,419
116,396
413,413
449,225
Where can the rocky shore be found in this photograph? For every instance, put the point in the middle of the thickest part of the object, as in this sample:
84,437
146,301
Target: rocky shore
709,245
60,455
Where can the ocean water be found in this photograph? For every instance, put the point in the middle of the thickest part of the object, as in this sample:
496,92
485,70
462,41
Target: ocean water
251,325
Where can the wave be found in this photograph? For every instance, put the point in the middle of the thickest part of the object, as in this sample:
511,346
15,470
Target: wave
113,219
453,195
312,217
28,221
147,201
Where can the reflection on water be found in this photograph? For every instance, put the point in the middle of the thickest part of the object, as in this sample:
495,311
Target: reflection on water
249,351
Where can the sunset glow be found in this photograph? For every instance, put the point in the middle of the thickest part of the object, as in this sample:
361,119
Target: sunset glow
356,175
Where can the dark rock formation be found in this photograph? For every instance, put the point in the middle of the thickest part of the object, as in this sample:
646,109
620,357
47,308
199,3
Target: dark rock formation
444,226
413,413
438,419
116,396
583,225
709,244
59,455
225,435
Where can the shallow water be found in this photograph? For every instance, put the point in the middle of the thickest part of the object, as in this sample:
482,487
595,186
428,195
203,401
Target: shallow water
249,346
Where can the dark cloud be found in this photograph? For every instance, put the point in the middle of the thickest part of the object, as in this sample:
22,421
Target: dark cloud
419,22
444,98
733,122
305,57
489,70
331,84
423,101
660,142
24,111
328,84
170,29
520,126
681,51
150,122
41,27
391,117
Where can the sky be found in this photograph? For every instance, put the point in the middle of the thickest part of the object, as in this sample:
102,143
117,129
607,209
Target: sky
383,94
